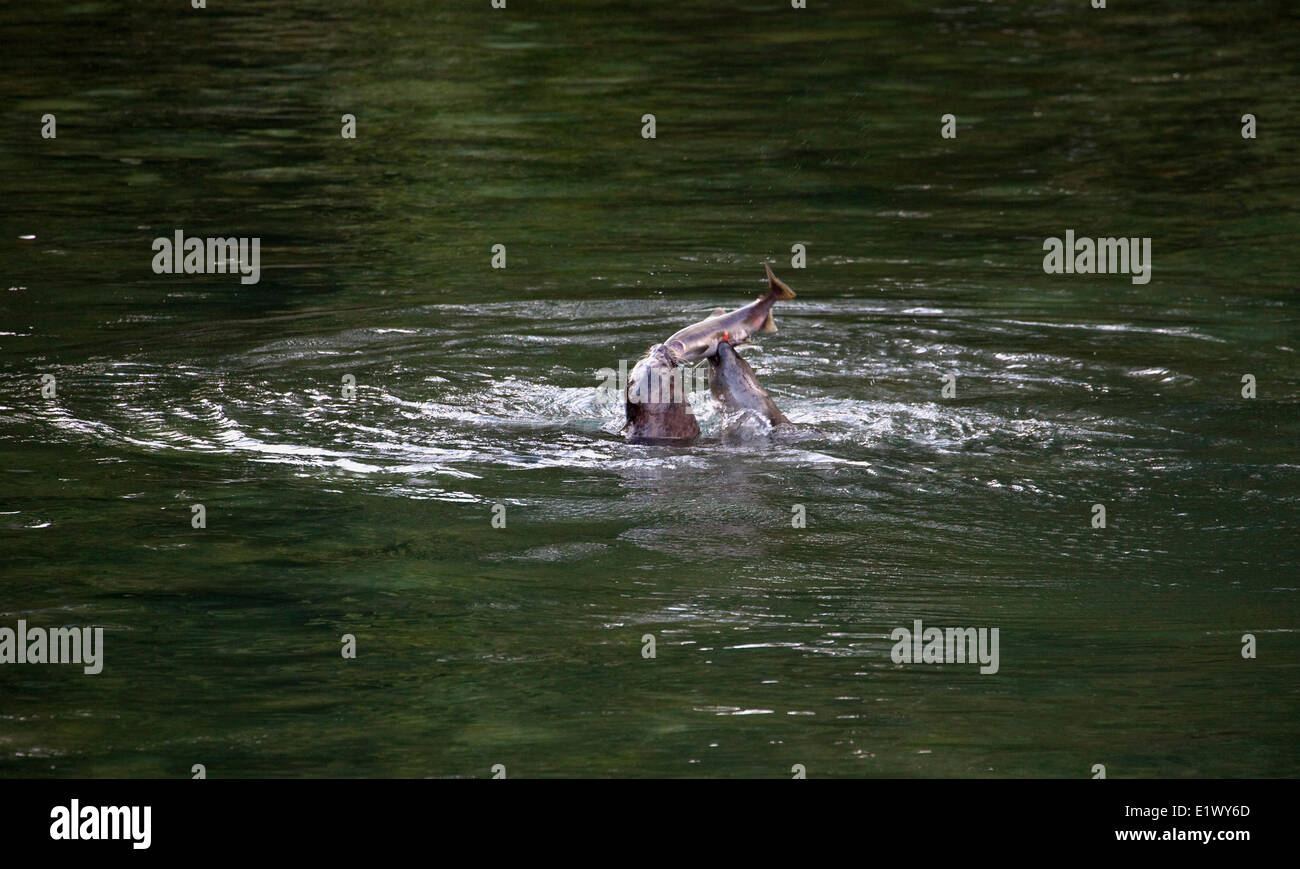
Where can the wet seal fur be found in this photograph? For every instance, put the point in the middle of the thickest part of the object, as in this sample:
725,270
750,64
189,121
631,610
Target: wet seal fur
735,386
658,411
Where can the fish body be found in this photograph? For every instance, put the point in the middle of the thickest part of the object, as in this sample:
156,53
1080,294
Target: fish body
736,388
700,340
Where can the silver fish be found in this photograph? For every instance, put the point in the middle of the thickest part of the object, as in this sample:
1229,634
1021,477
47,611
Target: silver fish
700,340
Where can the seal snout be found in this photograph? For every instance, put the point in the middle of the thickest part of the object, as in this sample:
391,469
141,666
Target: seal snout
726,355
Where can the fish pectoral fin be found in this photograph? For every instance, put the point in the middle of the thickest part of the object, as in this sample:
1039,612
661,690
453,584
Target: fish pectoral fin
769,325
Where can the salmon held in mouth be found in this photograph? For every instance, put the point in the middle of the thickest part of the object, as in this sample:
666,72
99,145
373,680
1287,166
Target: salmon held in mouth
700,340
658,411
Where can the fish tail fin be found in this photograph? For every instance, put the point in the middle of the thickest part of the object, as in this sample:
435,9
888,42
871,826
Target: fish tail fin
777,287
769,325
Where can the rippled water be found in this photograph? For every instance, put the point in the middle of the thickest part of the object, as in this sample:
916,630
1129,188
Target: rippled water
476,387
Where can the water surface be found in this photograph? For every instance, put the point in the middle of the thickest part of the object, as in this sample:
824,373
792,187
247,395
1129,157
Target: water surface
475,388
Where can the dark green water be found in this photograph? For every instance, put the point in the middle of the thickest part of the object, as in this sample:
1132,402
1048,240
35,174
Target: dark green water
522,646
